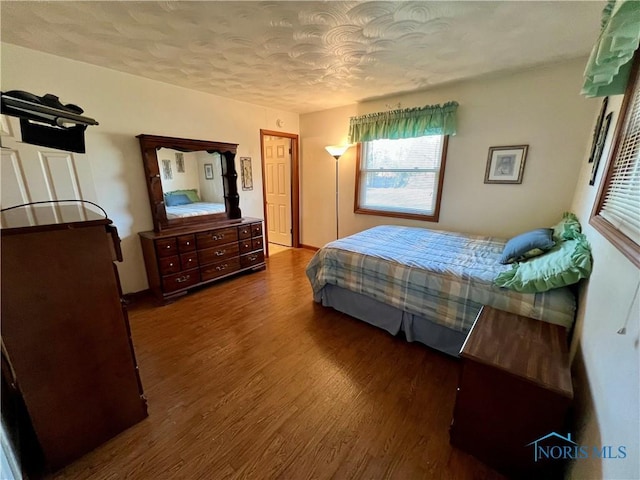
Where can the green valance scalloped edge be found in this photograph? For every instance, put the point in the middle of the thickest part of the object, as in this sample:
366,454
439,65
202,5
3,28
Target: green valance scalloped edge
609,65
406,123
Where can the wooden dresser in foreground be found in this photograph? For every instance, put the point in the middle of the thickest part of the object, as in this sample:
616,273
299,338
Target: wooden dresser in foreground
69,370
515,388
182,259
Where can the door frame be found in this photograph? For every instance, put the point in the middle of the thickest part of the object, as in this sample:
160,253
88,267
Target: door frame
295,187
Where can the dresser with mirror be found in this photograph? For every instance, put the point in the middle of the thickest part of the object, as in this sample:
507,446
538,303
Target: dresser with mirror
199,234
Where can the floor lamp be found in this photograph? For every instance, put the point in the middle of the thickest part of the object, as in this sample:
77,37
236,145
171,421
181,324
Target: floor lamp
336,151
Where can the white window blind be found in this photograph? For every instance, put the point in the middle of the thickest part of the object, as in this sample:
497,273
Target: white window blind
401,175
621,204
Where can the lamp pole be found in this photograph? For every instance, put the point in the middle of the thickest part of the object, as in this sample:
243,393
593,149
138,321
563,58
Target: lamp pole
336,151
337,157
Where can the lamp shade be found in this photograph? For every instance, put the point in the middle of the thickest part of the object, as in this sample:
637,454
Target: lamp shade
336,150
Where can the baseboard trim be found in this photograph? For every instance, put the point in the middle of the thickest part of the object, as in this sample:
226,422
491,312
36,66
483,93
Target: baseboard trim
309,247
136,297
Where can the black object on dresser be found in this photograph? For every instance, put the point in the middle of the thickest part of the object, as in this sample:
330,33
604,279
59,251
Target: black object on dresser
515,388
68,361
182,259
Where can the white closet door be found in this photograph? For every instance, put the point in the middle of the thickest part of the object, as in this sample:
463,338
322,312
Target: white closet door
277,158
30,173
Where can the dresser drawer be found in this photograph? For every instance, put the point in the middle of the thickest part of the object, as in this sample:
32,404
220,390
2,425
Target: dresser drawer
244,231
213,238
189,260
169,265
246,246
251,259
256,229
220,268
166,247
256,243
222,252
186,243
180,280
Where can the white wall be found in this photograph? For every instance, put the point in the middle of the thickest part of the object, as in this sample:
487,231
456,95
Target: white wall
212,189
186,180
126,106
539,107
606,365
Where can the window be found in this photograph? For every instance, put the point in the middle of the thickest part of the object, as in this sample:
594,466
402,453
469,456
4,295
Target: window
616,213
401,178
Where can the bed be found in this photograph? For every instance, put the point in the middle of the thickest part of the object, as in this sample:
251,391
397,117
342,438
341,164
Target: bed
429,284
194,209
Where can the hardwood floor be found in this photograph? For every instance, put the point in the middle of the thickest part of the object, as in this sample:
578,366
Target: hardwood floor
249,378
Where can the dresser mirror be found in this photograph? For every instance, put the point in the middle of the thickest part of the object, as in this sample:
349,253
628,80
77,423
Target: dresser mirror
190,182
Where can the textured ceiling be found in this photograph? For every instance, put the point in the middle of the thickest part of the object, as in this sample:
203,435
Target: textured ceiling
305,56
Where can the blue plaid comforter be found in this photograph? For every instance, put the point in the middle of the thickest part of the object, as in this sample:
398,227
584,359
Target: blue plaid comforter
443,276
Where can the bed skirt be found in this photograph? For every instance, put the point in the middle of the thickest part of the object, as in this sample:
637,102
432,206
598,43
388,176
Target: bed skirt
393,320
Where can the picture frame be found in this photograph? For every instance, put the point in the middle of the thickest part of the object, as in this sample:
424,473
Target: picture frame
598,129
599,147
246,173
179,162
167,173
208,171
506,164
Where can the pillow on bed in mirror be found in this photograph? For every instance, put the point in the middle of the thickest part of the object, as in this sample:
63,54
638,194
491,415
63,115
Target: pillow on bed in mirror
567,227
527,245
175,200
192,194
565,264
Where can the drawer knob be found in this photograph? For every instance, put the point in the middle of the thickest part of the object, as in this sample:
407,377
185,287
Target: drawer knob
217,237
168,246
183,278
171,264
188,243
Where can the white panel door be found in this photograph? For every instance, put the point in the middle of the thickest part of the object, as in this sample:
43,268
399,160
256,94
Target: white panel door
30,173
277,166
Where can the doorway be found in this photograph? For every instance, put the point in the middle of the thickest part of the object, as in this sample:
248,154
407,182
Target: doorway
280,186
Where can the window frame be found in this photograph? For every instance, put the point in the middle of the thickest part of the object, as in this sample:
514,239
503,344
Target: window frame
399,214
620,240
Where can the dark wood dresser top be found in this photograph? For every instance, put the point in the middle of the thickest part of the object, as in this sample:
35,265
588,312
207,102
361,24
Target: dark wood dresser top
531,349
38,218
237,222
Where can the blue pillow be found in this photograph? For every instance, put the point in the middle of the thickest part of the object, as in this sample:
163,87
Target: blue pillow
527,245
565,264
175,200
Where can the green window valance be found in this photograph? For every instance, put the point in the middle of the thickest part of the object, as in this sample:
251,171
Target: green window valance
611,58
406,123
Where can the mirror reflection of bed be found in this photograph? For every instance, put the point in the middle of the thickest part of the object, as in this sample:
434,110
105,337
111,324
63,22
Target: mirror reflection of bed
192,183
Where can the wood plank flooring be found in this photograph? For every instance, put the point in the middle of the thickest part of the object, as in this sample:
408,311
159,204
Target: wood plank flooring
251,379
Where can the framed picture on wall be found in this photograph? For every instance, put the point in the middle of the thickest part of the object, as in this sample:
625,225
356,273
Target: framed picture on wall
597,154
180,162
598,130
246,173
167,173
506,164
208,171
